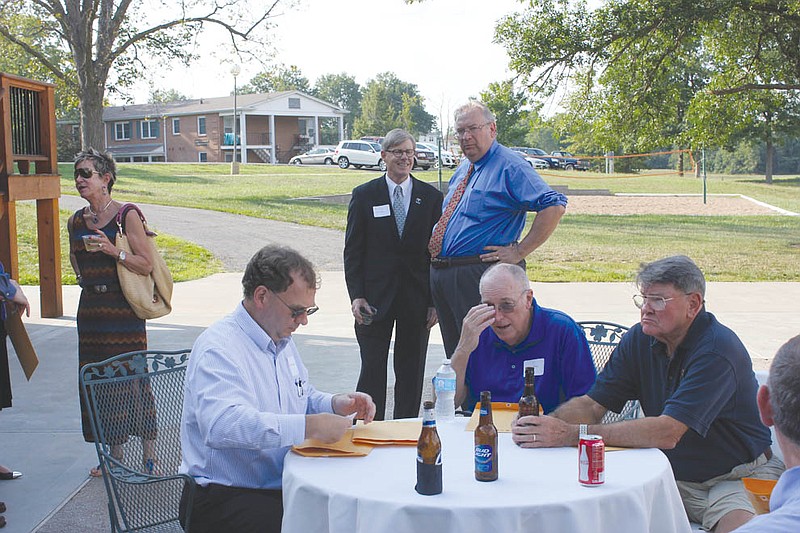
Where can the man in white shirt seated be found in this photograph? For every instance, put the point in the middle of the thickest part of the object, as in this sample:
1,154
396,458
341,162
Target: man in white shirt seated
248,399
779,406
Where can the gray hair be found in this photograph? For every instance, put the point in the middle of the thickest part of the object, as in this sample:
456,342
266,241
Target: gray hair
473,105
396,137
103,162
273,267
784,389
516,272
678,271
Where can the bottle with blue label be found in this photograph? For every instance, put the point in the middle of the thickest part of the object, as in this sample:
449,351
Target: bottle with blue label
486,442
444,385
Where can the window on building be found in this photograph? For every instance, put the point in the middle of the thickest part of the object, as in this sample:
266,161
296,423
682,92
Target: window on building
203,157
176,126
149,129
201,125
122,131
294,103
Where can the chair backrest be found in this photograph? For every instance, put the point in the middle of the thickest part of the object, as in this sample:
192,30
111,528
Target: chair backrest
603,338
135,402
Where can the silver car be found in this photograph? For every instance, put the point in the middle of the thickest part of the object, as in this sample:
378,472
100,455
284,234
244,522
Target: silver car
317,156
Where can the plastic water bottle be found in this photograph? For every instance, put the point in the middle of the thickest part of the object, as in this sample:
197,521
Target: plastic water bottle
445,386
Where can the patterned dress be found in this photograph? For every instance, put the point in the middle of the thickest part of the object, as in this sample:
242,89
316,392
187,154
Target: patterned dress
107,326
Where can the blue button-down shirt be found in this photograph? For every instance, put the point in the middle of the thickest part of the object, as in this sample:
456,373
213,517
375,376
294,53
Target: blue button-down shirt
245,403
502,189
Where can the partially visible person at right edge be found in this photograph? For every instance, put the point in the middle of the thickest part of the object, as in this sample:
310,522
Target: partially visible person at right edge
779,406
484,213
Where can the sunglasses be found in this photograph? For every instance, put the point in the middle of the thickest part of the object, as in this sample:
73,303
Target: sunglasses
85,173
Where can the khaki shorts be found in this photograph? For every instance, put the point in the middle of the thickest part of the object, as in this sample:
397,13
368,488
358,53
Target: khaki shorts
707,502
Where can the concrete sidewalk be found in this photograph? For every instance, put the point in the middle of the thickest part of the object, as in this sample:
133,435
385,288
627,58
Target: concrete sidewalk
40,435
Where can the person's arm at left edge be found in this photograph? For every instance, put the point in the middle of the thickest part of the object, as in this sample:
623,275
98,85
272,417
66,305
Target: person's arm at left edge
11,291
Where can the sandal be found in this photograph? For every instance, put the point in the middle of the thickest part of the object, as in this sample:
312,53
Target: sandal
2,521
2,507
10,475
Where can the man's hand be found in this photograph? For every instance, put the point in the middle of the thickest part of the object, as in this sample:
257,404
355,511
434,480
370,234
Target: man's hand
543,432
477,319
326,427
433,318
502,254
19,299
355,402
358,303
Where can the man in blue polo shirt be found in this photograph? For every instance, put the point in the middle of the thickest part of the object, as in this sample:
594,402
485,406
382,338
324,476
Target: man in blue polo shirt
694,380
522,334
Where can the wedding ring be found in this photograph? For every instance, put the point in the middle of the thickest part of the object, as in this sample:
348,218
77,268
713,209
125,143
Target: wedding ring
100,245
534,437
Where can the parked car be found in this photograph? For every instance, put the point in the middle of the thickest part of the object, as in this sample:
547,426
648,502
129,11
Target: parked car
449,159
535,162
425,158
317,156
538,153
359,154
568,161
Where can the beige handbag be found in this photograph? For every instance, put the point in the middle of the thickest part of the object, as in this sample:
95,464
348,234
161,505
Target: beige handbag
149,296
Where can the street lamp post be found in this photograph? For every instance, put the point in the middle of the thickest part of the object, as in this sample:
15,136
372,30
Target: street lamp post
235,70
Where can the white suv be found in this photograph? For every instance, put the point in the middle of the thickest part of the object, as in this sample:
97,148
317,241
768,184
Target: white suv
359,154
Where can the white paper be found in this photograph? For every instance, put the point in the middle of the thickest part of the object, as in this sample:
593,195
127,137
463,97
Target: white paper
537,364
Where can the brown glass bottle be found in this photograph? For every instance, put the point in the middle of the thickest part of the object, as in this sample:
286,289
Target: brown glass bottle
429,455
486,442
528,403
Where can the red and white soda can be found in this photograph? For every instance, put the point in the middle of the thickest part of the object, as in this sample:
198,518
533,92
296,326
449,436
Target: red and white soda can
591,460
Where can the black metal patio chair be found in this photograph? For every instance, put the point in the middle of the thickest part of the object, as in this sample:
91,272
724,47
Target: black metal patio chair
135,402
603,338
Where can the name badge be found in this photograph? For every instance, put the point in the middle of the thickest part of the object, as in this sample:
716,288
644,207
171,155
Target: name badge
536,364
380,211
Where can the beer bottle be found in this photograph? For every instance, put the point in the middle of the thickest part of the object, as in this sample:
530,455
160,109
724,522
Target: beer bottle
528,403
486,442
429,455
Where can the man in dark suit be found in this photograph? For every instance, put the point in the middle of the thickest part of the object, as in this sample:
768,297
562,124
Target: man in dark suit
386,265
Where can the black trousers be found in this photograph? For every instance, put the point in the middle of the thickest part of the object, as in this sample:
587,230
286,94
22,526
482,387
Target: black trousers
455,292
218,508
410,348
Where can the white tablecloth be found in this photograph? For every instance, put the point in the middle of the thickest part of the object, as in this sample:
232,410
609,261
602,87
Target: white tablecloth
537,491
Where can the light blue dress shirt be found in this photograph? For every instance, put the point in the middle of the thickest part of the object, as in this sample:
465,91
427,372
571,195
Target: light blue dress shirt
784,507
245,403
502,189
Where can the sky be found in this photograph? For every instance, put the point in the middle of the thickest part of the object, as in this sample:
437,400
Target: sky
443,46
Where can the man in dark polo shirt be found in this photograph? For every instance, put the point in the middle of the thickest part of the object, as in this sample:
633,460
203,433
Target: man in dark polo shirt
695,382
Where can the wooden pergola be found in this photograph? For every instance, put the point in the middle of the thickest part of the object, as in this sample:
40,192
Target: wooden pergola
29,171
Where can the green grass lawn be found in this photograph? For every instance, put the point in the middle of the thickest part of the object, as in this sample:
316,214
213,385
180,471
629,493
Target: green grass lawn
583,248
185,260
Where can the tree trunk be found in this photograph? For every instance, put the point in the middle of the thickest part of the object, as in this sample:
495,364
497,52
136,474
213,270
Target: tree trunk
92,134
768,166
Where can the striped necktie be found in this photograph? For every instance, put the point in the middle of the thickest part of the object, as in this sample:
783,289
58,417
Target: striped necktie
435,244
399,209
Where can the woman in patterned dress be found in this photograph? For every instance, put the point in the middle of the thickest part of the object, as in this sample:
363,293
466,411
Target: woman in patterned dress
107,325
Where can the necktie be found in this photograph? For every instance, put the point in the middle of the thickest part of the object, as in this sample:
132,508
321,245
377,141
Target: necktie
399,209
435,244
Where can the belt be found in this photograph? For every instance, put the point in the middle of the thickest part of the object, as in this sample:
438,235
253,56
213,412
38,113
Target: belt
101,289
447,262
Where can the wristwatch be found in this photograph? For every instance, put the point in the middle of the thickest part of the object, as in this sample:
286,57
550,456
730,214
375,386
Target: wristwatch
122,256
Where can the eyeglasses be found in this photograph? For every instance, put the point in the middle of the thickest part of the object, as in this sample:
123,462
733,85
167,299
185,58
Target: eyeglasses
657,303
85,173
507,307
400,153
296,312
472,130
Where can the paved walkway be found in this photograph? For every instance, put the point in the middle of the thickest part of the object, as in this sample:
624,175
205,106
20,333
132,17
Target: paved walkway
41,435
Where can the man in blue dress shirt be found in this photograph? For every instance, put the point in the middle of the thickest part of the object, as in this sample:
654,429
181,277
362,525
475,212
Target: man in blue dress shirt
483,215
248,399
779,406
508,332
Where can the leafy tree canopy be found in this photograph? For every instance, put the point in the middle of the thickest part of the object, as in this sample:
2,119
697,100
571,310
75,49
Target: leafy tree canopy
278,78
390,103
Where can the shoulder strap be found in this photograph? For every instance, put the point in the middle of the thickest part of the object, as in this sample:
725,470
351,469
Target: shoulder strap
123,211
